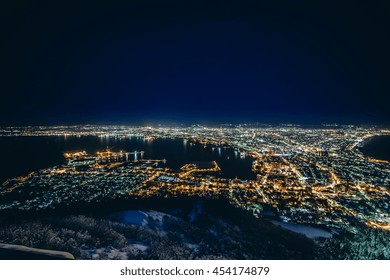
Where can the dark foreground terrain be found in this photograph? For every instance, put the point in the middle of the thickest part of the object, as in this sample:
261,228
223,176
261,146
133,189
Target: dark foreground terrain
185,228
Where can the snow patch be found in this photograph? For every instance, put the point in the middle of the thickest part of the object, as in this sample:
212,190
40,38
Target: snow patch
310,232
155,215
135,217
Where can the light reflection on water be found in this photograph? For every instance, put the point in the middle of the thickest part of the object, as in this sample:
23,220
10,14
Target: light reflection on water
25,154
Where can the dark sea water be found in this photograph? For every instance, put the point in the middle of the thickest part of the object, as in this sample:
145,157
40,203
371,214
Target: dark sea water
21,155
377,147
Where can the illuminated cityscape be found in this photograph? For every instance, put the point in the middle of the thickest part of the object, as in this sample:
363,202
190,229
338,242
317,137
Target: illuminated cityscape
313,176
195,130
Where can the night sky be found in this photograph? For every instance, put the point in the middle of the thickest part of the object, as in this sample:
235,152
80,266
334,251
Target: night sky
144,62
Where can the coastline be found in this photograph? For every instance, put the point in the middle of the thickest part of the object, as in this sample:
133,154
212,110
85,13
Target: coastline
375,147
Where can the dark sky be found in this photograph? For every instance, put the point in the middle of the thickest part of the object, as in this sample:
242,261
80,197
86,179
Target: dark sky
194,62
